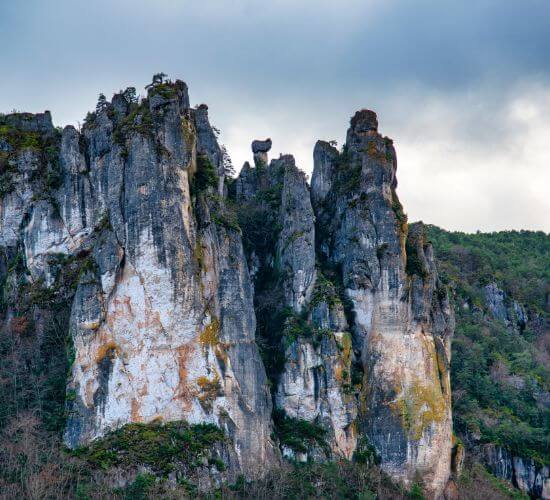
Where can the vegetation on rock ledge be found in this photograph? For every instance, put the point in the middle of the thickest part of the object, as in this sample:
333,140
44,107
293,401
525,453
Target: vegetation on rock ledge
156,445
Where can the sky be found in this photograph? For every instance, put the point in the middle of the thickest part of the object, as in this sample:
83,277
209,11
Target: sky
463,88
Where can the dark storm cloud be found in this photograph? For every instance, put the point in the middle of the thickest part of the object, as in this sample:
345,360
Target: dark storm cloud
451,81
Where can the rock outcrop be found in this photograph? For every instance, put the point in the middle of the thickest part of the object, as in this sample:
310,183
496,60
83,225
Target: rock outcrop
504,309
367,329
171,274
401,318
524,473
162,321
260,150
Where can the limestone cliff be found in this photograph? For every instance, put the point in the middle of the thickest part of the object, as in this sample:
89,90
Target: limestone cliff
162,321
305,322
361,319
402,321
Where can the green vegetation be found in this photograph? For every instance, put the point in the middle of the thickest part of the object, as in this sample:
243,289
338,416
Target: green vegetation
34,466
414,264
388,154
259,218
226,217
325,291
139,489
138,120
313,480
519,261
499,374
297,326
365,452
159,446
476,482
205,176
165,90
297,434
19,139
45,146
33,367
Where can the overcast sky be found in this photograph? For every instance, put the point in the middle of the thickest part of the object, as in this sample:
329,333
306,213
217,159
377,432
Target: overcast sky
463,88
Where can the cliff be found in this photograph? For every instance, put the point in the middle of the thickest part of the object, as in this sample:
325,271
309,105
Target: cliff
301,322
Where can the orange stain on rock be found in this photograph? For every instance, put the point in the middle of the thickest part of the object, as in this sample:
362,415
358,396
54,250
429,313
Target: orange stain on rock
108,349
135,416
184,393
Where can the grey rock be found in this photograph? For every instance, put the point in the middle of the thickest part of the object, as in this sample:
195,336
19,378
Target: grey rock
296,244
403,319
523,473
260,150
162,319
325,159
163,316
261,146
501,307
28,122
207,143
494,301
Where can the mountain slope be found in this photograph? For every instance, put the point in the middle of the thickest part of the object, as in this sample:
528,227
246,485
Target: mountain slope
501,351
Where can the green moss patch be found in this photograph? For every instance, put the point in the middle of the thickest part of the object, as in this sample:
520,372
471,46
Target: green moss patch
297,434
156,445
205,176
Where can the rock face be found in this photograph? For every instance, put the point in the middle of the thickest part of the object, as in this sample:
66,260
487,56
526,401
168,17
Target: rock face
367,350
260,150
172,273
523,473
162,320
402,322
502,308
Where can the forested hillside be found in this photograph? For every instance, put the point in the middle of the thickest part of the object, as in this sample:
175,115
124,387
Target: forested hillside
500,367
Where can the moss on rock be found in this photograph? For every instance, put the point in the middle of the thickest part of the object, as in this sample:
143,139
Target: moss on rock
419,406
161,447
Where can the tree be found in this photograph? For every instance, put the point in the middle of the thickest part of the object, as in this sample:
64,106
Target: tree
158,78
130,95
101,103
228,168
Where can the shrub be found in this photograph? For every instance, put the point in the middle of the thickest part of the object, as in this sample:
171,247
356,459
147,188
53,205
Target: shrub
159,446
205,176
297,434
325,291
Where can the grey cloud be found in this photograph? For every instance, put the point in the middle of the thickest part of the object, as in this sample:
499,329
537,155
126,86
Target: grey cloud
443,77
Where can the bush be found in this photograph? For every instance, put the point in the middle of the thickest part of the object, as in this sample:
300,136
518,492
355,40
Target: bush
205,176
159,446
297,434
